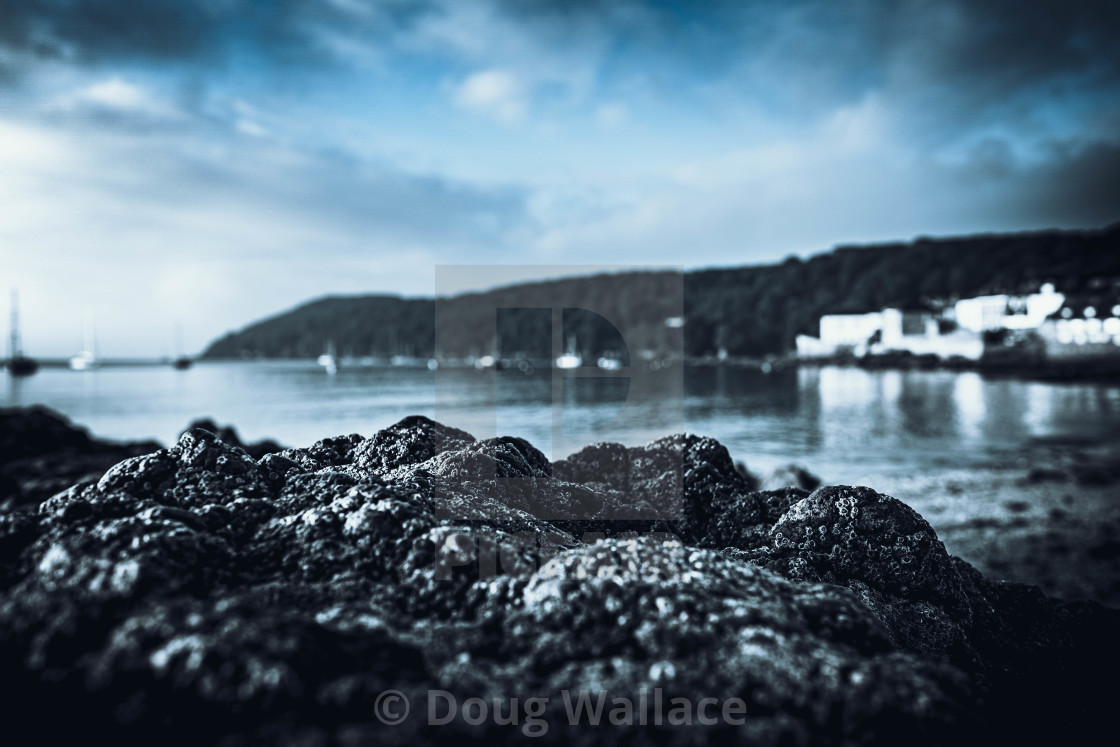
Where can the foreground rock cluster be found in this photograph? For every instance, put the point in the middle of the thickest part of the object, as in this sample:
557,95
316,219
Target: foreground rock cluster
198,594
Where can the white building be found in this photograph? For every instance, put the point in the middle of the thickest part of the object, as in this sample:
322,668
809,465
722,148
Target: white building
840,332
986,313
919,332
850,329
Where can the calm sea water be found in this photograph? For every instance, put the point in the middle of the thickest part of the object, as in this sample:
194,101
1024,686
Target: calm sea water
842,423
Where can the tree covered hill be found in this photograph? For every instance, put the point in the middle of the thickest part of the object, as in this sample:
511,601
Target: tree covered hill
749,311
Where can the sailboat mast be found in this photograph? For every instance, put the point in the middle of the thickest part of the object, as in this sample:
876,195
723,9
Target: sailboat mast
89,343
13,343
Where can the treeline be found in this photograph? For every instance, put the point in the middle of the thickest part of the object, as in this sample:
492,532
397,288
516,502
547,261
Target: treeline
747,311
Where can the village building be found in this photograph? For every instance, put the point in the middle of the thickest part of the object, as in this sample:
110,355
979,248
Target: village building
958,331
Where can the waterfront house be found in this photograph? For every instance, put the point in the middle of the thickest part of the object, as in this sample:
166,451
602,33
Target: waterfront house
957,331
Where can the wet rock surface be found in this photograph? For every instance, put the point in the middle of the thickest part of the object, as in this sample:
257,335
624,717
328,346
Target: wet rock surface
41,453
201,594
228,433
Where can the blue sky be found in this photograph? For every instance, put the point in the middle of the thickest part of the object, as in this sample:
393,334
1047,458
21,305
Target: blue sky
209,162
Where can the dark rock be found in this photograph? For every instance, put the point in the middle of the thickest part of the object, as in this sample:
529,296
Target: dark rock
41,453
38,431
413,440
201,592
228,434
641,614
840,533
681,483
744,523
885,552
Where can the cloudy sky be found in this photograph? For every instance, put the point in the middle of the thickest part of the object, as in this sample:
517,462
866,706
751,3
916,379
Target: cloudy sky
210,162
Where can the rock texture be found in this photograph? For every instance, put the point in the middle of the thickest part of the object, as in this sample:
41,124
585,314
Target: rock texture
199,594
257,449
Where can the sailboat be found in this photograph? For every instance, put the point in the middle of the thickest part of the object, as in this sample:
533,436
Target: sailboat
328,360
87,359
570,358
180,362
18,363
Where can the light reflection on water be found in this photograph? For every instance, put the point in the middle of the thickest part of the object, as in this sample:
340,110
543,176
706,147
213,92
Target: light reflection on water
841,422
968,398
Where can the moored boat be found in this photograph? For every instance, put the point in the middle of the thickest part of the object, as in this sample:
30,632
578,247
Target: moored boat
18,363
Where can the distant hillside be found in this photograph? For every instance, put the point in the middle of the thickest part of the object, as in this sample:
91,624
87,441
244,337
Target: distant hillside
358,325
749,311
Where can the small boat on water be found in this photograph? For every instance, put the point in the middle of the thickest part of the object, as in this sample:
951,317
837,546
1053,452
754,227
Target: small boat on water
328,360
87,360
84,361
21,365
18,363
571,358
180,362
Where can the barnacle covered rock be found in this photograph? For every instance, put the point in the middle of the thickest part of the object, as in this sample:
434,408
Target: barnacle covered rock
201,592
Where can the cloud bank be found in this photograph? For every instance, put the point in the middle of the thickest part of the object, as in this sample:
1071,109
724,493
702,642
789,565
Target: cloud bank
216,160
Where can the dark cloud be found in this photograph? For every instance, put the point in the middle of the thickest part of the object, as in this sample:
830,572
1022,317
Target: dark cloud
1008,40
965,64
200,31
943,67
1011,43
989,49
96,29
1068,184
1080,186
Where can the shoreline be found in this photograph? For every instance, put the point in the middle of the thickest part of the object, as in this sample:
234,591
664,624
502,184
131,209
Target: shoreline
1054,523
1105,372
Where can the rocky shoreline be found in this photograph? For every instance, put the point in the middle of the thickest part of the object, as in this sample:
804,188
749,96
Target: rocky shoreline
202,594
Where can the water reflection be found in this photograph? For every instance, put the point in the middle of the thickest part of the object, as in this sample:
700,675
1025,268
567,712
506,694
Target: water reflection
591,409
841,388
968,400
841,422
